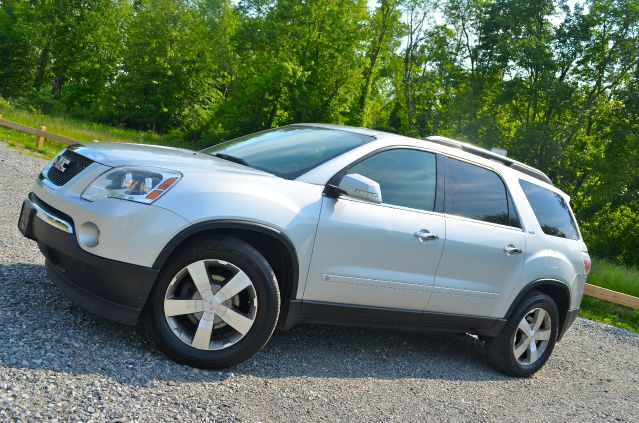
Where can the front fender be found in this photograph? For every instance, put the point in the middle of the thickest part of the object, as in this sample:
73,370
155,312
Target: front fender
279,206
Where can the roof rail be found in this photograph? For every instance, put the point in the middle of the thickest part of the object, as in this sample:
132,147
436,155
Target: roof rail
478,151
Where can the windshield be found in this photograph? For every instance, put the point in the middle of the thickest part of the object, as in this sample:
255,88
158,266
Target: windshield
290,151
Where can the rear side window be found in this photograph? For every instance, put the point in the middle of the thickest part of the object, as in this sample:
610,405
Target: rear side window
478,193
551,210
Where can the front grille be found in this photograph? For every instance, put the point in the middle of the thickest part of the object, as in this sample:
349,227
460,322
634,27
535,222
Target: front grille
76,164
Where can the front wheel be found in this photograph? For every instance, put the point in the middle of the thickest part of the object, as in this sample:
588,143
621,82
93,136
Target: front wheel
528,338
215,304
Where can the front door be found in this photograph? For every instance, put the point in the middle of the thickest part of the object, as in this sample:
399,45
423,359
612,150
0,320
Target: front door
381,255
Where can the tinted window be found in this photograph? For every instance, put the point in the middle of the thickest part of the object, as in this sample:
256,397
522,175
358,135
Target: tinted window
290,151
477,193
407,177
551,211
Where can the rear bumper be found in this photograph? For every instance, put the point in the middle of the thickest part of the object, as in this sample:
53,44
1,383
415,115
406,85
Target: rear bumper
113,289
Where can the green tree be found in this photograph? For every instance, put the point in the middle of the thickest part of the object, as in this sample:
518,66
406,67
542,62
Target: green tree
67,49
23,58
300,60
552,81
170,76
384,30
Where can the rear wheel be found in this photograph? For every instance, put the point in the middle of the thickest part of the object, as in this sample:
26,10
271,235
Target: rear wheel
215,304
528,338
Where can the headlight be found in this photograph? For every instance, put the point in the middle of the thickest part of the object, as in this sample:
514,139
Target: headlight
144,185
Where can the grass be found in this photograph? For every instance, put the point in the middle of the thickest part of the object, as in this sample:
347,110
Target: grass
603,311
72,128
617,278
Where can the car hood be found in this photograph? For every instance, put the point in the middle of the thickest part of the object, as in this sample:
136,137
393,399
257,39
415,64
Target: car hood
180,159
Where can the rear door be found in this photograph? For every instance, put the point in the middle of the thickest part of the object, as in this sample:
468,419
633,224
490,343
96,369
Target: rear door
485,246
376,255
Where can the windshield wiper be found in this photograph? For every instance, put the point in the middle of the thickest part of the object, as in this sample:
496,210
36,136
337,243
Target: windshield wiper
232,159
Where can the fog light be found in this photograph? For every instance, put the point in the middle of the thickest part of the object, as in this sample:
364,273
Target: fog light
89,234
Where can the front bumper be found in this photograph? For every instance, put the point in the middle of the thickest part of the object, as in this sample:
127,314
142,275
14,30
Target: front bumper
110,288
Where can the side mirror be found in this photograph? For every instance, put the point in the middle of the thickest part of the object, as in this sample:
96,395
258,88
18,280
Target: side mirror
359,186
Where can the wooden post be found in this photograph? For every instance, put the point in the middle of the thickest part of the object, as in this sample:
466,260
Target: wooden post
40,140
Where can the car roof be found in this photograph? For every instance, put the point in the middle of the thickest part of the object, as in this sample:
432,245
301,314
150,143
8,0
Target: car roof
460,149
354,129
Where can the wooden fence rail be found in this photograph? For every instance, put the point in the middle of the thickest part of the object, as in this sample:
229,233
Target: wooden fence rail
611,296
41,134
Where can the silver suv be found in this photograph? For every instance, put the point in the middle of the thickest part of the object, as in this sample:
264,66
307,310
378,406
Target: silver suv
312,223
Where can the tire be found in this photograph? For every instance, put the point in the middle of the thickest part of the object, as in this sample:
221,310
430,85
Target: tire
512,351
201,327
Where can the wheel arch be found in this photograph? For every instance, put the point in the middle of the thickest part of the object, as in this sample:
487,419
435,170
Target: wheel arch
555,289
275,246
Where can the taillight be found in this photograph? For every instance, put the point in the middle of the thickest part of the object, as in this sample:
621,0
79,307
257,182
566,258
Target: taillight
586,266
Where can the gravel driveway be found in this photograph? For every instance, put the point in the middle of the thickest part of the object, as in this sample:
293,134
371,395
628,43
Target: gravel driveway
59,362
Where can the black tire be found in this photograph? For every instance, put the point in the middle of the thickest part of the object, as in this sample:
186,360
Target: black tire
258,270
501,350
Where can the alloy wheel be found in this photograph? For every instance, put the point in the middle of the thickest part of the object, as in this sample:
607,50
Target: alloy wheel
532,336
210,304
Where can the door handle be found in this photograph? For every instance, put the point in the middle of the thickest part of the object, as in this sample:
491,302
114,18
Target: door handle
425,235
511,249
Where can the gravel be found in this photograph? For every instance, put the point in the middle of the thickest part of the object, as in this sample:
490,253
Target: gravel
59,362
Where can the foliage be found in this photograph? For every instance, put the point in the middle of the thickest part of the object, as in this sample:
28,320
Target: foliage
300,63
170,76
555,83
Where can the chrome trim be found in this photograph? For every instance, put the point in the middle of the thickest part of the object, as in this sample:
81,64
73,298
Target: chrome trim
425,235
481,152
45,171
60,163
511,249
52,220
375,283
47,182
483,222
445,290
88,152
